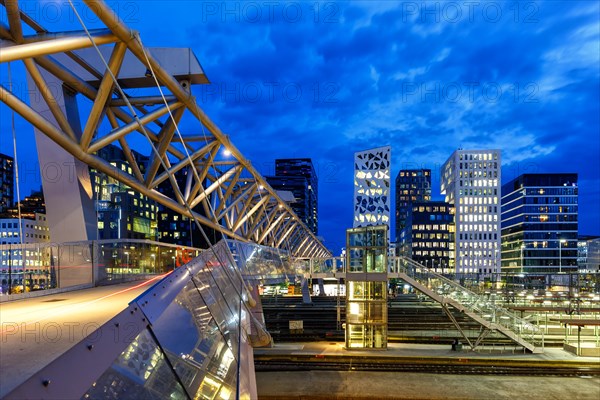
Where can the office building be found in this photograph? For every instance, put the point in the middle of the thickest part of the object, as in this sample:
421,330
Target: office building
372,187
122,212
30,206
24,266
428,236
539,223
588,253
178,229
6,182
298,176
470,180
412,185
35,230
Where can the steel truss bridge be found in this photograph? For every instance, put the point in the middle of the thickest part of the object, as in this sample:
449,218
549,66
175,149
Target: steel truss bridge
136,94
191,334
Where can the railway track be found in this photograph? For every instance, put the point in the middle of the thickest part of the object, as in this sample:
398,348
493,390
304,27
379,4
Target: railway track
440,366
410,320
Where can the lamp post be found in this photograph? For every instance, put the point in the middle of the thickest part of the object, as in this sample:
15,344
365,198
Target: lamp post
173,257
127,260
153,256
522,261
560,242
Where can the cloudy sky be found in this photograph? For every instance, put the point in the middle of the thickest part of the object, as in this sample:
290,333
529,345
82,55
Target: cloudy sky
326,79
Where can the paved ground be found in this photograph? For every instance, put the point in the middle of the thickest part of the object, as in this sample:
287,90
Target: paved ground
36,331
320,385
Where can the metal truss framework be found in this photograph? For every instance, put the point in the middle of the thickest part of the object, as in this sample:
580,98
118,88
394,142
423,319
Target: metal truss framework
236,199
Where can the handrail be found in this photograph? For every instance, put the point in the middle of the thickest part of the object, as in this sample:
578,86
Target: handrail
483,307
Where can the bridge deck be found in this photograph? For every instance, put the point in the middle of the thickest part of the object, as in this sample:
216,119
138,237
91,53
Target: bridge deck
36,331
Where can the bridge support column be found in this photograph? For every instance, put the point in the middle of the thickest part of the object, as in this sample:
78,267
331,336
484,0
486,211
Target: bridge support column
259,336
305,291
65,180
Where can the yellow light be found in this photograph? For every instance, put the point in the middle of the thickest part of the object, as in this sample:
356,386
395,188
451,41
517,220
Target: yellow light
225,393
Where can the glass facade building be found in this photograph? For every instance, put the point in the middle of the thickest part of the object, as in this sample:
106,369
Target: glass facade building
299,176
179,229
122,213
428,237
588,253
6,182
539,223
470,180
412,185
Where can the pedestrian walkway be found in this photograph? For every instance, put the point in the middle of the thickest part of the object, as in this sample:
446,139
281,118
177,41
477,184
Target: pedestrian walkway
36,331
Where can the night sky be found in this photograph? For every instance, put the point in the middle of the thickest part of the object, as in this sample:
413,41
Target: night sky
326,79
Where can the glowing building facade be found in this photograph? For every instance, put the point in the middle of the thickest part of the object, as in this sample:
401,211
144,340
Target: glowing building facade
540,223
470,180
372,187
428,237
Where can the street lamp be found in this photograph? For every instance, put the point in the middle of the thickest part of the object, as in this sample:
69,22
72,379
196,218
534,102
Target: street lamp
560,242
173,257
522,248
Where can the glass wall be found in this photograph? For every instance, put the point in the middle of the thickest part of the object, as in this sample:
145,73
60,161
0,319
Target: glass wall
40,266
367,249
366,315
197,342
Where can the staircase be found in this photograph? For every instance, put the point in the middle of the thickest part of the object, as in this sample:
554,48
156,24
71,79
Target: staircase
489,315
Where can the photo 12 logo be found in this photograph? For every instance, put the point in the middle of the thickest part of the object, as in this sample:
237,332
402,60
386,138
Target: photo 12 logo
269,92
55,12
270,12
454,92
470,11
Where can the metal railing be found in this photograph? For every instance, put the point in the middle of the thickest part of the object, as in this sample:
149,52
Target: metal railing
482,307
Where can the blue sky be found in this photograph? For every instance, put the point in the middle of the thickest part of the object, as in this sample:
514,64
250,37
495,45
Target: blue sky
326,79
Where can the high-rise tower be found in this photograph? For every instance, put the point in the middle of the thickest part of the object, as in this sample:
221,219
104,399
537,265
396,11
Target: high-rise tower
470,179
372,187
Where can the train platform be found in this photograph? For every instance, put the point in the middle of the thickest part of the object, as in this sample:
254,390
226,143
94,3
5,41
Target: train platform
423,352
426,382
